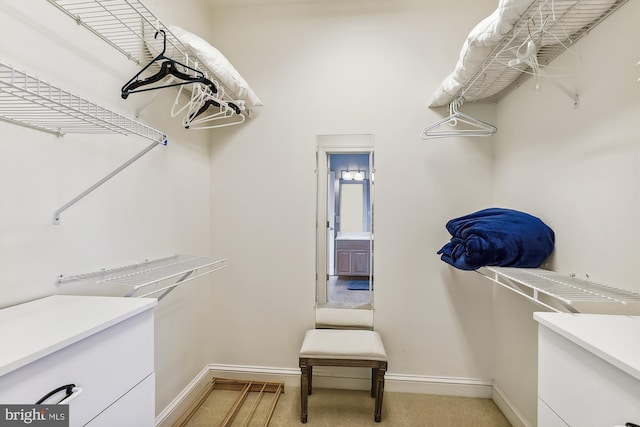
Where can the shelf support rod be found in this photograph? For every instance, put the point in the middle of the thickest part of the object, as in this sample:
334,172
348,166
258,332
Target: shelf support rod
186,278
180,280
563,88
56,214
497,281
573,96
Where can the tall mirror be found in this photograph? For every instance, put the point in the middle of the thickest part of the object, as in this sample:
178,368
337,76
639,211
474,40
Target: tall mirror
345,221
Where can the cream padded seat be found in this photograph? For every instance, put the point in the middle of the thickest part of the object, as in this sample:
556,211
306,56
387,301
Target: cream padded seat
347,348
343,344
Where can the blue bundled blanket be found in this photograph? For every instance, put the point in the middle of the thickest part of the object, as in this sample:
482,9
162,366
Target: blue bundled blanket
497,237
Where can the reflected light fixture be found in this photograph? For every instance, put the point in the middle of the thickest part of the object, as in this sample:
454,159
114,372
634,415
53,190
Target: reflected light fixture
354,175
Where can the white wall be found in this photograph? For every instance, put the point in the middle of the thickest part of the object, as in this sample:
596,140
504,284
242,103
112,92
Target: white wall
347,68
578,170
156,207
331,68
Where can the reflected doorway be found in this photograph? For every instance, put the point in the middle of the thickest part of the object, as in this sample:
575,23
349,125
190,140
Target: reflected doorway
345,221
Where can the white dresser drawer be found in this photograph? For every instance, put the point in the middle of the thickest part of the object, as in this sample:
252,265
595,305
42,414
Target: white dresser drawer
582,388
134,409
106,365
548,418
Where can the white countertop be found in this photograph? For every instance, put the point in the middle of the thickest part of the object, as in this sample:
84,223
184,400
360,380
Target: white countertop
35,329
614,338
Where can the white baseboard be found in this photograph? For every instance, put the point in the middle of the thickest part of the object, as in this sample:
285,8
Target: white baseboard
181,403
503,403
346,378
450,386
290,377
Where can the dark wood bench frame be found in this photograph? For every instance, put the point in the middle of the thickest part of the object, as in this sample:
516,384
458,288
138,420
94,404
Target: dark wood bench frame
378,370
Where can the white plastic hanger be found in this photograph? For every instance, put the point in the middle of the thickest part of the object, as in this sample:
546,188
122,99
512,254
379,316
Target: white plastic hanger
223,112
525,56
198,92
476,127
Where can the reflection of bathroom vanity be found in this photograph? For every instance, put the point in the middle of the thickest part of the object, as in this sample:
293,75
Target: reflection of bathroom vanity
352,253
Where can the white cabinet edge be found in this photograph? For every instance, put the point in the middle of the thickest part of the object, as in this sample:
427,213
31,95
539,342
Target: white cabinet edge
38,328
614,338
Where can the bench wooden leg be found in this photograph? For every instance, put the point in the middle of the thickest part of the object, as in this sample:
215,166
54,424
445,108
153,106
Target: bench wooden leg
304,391
379,392
374,381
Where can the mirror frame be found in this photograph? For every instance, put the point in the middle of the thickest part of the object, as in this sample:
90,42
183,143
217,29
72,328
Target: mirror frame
337,144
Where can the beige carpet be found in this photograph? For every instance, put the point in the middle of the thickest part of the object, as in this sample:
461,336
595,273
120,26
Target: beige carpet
349,408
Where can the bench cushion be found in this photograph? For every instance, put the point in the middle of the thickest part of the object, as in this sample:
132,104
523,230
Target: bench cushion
342,344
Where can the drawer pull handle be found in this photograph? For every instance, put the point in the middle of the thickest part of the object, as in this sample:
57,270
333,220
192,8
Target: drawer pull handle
71,392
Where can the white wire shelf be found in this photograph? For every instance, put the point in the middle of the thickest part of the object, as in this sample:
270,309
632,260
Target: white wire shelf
29,101
120,23
564,22
561,293
129,26
151,277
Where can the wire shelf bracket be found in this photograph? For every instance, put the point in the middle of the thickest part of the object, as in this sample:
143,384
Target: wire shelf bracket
152,277
561,293
28,101
58,212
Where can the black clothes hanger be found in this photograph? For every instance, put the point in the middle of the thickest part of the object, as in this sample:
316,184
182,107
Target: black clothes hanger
169,67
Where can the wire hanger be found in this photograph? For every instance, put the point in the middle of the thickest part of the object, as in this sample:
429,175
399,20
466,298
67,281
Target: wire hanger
476,127
168,67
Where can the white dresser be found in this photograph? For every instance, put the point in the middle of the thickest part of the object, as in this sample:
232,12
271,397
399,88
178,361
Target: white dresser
103,345
588,370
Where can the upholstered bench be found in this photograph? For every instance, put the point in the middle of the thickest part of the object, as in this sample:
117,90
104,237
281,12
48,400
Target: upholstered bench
347,348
